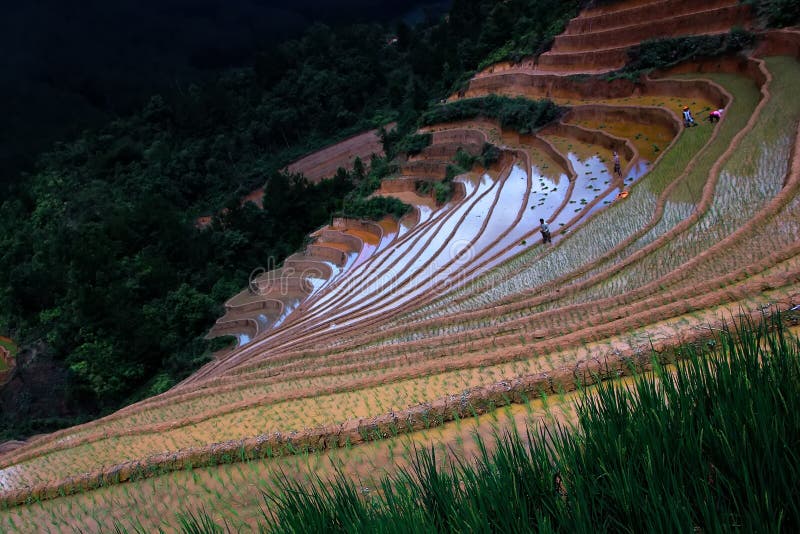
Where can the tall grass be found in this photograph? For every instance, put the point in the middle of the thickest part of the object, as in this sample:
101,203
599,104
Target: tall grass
709,445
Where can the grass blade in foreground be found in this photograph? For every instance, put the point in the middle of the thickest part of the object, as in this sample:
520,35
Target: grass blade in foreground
711,445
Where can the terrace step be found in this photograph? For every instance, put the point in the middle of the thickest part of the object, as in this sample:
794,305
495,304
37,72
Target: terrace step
428,170
617,6
310,266
446,151
709,21
593,61
589,62
588,22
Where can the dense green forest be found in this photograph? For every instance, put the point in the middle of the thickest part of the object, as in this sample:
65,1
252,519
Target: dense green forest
66,67
101,266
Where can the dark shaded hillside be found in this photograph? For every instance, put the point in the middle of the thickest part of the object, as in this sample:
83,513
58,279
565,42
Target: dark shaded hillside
65,68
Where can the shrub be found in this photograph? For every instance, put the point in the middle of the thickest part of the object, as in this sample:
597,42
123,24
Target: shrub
442,191
519,113
375,208
663,53
776,13
489,154
414,143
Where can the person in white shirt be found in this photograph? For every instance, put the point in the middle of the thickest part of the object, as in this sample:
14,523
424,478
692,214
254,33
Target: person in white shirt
688,120
545,229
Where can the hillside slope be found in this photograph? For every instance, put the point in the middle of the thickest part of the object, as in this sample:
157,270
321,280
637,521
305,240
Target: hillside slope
396,327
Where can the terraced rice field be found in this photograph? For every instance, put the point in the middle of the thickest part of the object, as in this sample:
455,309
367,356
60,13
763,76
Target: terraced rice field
382,336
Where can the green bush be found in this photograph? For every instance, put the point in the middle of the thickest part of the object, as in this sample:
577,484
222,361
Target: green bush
423,187
515,29
442,191
519,113
664,53
776,13
489,154
375,208
415,143
464,159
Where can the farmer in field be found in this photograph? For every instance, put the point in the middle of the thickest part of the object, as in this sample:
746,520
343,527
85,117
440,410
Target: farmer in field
688,120
715,115
545,229
617,166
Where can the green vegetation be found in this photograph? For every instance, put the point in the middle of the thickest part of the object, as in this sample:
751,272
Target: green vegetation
12,349
518,28
463,162
776,13
9,345
101,258
520,114
442,191
489,154
665,53
375,208
709,445
414,143
93,70
359,203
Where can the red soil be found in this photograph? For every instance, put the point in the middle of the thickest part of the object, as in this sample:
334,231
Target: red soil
324,163
256,197
596,40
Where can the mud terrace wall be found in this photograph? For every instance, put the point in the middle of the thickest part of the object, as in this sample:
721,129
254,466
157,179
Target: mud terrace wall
268,306
577,87
398,185
459,136
337,236
745,66
235,326
593,20
10,445
447,150
702,20
426,170
346,223
328,254
309,266
287,283
780,42
591,59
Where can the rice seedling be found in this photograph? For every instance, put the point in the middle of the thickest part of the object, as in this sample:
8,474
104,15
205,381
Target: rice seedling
683,448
